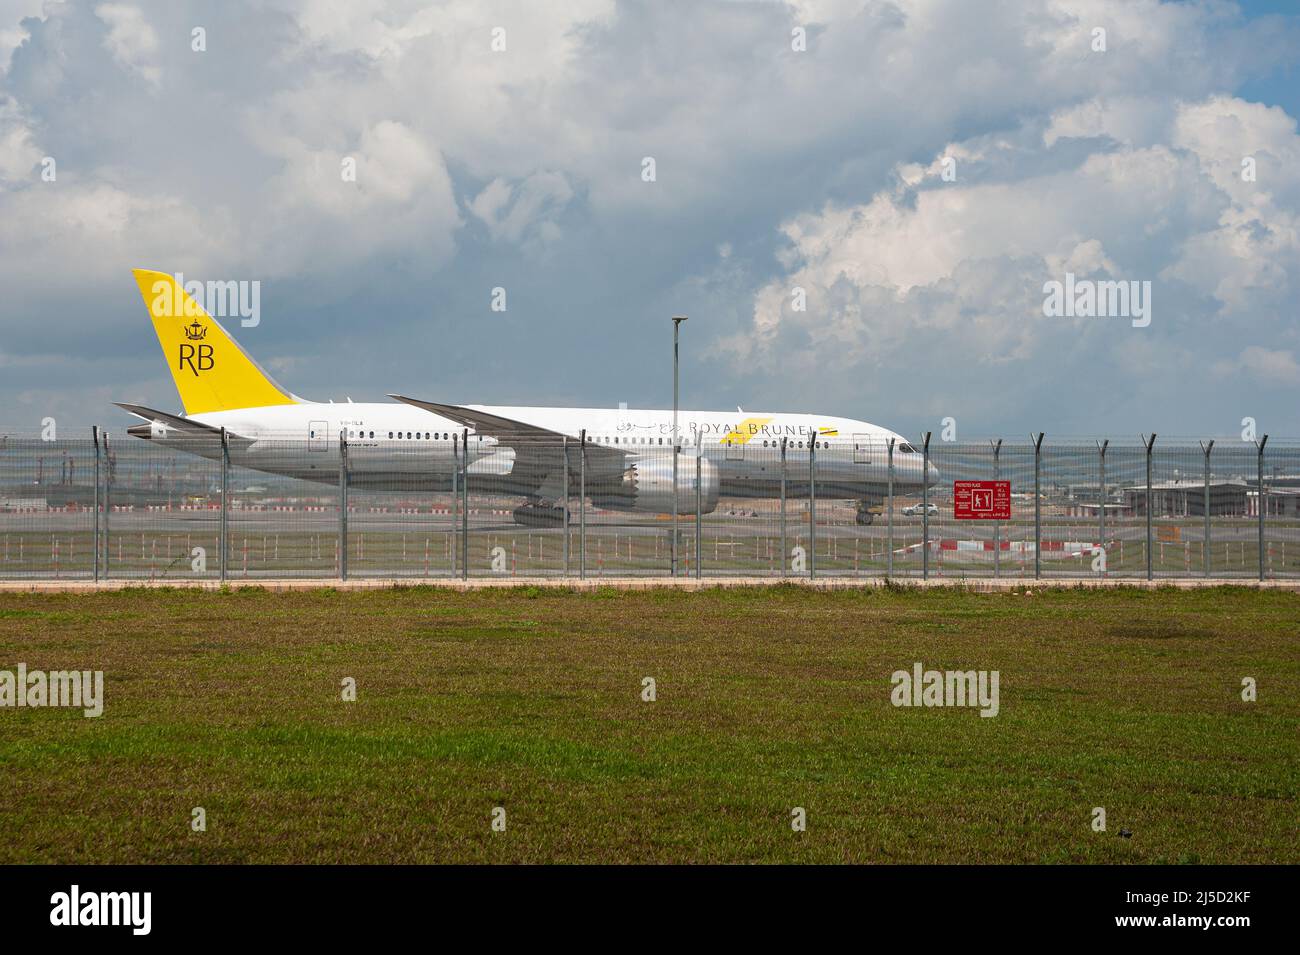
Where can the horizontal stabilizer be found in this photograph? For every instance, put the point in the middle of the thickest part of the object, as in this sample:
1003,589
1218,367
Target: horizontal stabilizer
186,426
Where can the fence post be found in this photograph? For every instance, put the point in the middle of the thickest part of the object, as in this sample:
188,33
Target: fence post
812,508
564,442
925,508
997,525
455,497
464,509
1205,548
783,443
1263,503
1038,506
94,436
223,520
582,506
343,504
676,448
699,501
1149,444
108,502
889,513
1101,501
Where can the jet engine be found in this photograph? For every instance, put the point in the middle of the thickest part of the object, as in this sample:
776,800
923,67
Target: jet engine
647,487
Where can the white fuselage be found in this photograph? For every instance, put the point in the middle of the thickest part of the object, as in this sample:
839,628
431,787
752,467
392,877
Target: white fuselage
397,444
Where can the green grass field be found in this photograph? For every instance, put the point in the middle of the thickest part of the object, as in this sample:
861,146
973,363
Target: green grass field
768,699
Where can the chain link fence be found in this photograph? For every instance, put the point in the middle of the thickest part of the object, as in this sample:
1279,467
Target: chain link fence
423,505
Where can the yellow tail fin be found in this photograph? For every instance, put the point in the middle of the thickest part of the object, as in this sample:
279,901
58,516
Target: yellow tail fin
211,371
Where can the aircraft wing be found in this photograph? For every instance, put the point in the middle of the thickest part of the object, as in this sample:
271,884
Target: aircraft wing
539,452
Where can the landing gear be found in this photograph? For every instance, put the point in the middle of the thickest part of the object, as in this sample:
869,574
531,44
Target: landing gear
537,514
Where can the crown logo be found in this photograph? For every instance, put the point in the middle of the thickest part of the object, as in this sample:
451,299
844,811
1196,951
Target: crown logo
195,332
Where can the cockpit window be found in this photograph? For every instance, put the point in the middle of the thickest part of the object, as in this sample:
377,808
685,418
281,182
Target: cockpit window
907,449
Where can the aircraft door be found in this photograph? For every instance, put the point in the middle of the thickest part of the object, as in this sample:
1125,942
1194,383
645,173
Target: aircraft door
862,449
318,433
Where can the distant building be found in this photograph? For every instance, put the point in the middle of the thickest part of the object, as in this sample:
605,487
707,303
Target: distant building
1187,498
1282,502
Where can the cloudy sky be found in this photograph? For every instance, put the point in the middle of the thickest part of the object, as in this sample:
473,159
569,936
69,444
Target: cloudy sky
914,176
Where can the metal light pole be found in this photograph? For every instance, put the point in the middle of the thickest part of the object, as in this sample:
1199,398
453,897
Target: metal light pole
677,324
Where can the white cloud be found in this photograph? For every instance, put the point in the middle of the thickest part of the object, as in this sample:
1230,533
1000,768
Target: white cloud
400,202
510,212
55,227
819,168
12,34
18,150
968,258
130,39
1269,366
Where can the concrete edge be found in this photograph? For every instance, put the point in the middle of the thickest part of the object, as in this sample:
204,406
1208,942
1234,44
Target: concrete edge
977,585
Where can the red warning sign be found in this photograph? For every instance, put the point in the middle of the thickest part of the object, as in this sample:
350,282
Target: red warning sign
981,500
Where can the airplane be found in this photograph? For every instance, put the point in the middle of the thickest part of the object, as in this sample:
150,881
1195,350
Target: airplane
415,444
